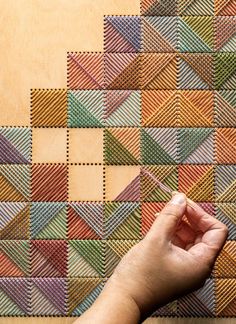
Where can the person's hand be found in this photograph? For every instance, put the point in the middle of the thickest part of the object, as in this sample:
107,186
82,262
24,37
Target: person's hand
175,258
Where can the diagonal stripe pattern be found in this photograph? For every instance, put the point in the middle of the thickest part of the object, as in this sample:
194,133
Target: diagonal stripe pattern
225,263
226,213
225,108
225,297
226,145
159,7
196,7
225,71
225,8
225,34
225,183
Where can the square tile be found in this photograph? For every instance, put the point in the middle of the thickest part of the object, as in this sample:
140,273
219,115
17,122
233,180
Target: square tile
49,145
14,182
15,145
159,146
122,146
197,182
14,256
225,108
226,213
149,214
169,310
48,258
48,107
225,263
196,7
14,220
195,71
122,71
158,71
225,297
225,30
196,34
225,8
225,184
86,145
225,71
160,108
122,183
159,7
85,221
226,145
122,108
85,183
122,34
85,71
48,221
196,108
85,258
49,182
159,34
85,108
196,145
122,221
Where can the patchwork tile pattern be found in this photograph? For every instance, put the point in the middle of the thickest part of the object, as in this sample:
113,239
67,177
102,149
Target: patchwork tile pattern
78,187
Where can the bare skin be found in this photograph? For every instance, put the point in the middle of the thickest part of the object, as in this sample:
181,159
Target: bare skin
175,258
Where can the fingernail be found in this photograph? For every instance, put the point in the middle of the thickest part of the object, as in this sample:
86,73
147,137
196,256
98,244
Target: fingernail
178,199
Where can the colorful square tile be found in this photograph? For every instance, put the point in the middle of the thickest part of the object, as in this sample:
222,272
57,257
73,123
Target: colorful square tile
122,146
85,71
158,71
85,108
85,221
122,34
48,221
149,214
85,258
122,183
159,34
83,148
48,296
122,108
225,297
225,108
196,34
159,7
226,213
15,145
225,8
195,71
196,145
14,256
14,182
225,71
159,146
160,108
165,174
14,220
49,182
225,263
82,293
48,258
226,145
48,107
122,221
225,183
196,7
197,182
122,71
225,30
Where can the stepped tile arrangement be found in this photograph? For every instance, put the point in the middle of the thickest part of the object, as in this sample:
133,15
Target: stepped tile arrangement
77,187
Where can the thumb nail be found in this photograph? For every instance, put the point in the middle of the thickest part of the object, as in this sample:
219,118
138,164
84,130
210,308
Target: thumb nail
178,199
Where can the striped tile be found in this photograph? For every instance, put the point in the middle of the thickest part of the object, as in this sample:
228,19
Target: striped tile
225,111
149,211
197,182
225,183
14,182
226,213
122,221
122,108
196,145
48,221
122,71
48,258
196,7
169,310
159,108
225,34
166,174
225,8
49,182
122,34
85,108
159,7
225,297
225,71
82,293
85,71
48,296
14,297
158,71
14,258
226,145
159,34
159,146
122,146
226,261
14,222
48,107
85,221
85,258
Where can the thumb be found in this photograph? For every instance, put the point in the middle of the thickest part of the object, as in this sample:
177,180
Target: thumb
167,220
